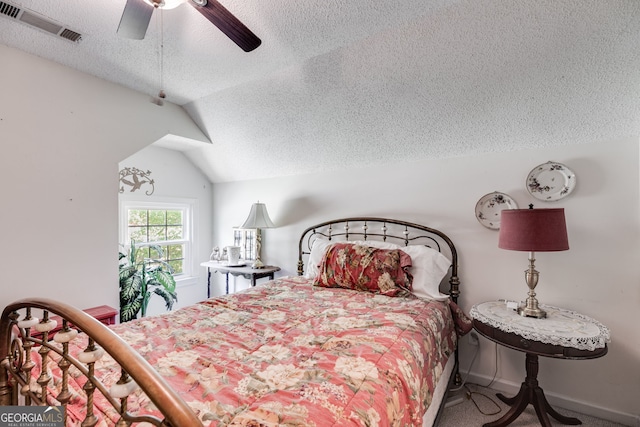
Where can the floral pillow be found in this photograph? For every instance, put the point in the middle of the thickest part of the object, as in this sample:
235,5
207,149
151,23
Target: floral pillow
363,268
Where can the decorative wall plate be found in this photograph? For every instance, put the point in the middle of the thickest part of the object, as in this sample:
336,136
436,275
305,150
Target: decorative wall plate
489,207
551,181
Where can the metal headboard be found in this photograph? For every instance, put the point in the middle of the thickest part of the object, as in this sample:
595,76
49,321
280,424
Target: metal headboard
385,229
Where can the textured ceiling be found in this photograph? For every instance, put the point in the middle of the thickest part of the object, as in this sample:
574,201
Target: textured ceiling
340,84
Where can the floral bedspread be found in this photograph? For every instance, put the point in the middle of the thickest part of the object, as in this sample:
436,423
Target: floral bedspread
287,353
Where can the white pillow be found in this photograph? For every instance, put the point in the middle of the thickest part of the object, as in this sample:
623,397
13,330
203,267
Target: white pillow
318,248
428,267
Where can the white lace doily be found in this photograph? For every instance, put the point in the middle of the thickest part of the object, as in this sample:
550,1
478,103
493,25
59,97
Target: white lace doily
560,327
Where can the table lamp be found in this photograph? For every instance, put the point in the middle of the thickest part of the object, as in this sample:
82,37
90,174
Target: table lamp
533,230
258,218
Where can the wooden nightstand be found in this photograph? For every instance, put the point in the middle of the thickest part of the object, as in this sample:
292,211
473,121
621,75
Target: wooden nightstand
104,313
563,334
247,272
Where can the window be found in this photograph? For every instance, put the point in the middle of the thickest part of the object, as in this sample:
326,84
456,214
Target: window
245,238
163,224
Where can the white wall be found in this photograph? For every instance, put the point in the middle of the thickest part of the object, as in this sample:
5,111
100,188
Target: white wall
598,276
63,134
177,179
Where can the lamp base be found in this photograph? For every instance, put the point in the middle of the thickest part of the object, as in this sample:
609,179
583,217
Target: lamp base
257,264
530,308
532,312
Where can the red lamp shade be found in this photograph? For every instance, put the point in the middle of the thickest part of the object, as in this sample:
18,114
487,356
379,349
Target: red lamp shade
533,230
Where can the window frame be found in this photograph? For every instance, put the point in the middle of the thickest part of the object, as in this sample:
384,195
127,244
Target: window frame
189,208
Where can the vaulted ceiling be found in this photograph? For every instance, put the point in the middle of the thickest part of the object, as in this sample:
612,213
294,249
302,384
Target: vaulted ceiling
340,84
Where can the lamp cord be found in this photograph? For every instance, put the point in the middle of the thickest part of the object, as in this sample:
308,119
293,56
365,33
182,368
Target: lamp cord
466,376
472,394
495,369
475,354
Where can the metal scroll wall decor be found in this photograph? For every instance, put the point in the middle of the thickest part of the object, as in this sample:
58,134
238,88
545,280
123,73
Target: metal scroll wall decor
135,179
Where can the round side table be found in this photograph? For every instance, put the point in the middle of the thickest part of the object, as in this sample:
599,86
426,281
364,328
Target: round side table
563,334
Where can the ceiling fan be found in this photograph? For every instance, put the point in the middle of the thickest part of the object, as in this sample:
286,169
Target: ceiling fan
137,14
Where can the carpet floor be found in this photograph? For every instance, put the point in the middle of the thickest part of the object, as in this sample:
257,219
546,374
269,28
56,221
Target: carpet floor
471,412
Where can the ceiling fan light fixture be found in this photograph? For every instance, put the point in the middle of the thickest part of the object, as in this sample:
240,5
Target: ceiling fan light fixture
165,4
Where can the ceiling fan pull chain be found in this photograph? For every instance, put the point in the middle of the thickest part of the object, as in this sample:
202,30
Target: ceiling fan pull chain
159,100
161,54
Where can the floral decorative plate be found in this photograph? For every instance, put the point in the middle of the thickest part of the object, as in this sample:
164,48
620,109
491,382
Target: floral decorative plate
551,181
489,207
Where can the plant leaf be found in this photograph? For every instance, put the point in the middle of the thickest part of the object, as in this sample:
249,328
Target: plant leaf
165,280
126,272
130,311
128,290
169,297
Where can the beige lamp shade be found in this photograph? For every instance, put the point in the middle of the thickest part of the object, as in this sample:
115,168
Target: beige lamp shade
258,217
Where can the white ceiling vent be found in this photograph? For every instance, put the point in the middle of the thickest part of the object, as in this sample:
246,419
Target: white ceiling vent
38,21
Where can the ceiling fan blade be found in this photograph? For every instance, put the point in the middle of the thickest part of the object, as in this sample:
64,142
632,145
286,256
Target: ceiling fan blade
228,24
135,19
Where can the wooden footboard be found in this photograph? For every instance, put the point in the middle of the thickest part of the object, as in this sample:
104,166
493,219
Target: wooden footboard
18,369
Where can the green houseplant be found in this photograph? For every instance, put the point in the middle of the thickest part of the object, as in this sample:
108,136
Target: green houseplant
142,277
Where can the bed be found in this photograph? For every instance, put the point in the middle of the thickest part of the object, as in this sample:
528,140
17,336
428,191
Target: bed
323,348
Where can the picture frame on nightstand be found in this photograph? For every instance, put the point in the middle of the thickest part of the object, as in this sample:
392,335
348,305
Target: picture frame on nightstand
245,238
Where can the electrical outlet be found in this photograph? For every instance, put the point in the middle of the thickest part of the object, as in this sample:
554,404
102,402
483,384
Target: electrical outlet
473,338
